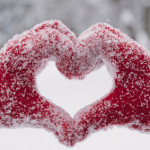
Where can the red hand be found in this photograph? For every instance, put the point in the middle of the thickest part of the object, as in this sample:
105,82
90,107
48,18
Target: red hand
128,103
20,61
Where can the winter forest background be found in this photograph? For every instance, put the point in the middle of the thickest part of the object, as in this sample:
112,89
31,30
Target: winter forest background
130,16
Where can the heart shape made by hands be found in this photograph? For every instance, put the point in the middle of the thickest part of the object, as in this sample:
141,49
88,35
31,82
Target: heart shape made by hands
24,56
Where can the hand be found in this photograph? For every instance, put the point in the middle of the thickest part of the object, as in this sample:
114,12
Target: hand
128,103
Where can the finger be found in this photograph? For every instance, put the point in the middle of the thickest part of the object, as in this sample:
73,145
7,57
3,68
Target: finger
118,51
57,25
99,115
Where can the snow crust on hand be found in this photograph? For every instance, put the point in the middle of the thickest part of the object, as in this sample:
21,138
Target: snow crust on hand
128,103
25,55
21,59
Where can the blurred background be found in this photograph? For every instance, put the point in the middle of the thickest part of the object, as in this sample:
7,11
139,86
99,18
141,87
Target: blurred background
130,16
